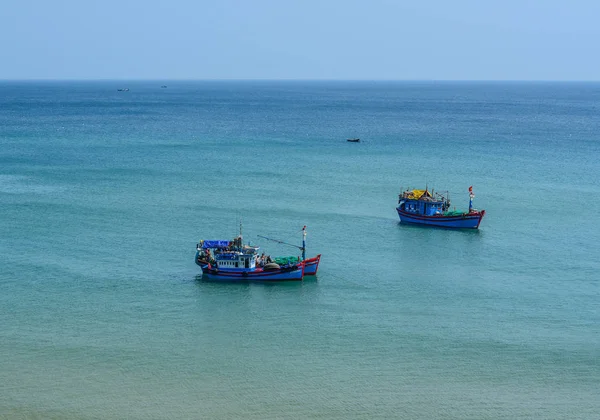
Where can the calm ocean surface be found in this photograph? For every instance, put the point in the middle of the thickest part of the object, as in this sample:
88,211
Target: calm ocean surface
104,194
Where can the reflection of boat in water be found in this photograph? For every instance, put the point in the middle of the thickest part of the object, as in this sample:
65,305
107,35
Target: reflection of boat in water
353,140
311,265
234,261
123,90
433,209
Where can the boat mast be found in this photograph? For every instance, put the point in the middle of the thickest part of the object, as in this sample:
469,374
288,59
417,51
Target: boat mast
239,242
471,197
304,243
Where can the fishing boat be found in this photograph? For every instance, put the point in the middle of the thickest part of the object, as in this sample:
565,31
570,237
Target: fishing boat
224,260
311,265
353,140
423,207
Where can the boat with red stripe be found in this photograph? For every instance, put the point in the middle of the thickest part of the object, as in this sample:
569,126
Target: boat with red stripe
234,261
427,208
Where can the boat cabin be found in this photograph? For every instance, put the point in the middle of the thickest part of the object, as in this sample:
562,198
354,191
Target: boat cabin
423,203
228,255
424,208
233,260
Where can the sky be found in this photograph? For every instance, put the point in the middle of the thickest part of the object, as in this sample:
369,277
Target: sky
294,39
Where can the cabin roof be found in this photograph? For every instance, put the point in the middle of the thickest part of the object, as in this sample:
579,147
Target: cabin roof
425,200
215,243
417,194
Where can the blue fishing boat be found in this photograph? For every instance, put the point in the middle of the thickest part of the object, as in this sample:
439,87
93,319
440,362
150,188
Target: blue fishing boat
234,261
423,207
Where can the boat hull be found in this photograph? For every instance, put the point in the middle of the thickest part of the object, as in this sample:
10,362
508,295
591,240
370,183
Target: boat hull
463,221
311,265
284,274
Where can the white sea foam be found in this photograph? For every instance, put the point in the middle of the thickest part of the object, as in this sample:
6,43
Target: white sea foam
21,184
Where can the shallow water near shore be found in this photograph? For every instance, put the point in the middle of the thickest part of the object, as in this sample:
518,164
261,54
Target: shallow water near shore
104,195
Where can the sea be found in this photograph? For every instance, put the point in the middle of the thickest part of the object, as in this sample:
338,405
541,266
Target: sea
105,193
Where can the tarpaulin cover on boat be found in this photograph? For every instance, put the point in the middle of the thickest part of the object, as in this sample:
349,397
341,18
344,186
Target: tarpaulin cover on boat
215,244
416,194
287,260
454,213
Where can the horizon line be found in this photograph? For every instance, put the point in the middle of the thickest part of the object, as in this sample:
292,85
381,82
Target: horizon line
295,80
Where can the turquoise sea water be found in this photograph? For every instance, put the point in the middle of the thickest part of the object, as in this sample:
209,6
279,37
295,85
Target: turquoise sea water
104,194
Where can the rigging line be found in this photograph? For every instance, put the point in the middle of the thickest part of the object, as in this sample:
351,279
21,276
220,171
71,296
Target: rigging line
278,241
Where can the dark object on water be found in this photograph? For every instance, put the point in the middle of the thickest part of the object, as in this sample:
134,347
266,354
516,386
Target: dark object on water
123,90
163,87
354,140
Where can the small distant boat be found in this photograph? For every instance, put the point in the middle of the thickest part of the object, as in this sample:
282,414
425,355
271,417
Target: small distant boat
123,90
433,209
353,140
163,87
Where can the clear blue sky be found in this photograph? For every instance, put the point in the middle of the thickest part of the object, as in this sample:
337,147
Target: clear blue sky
293,39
